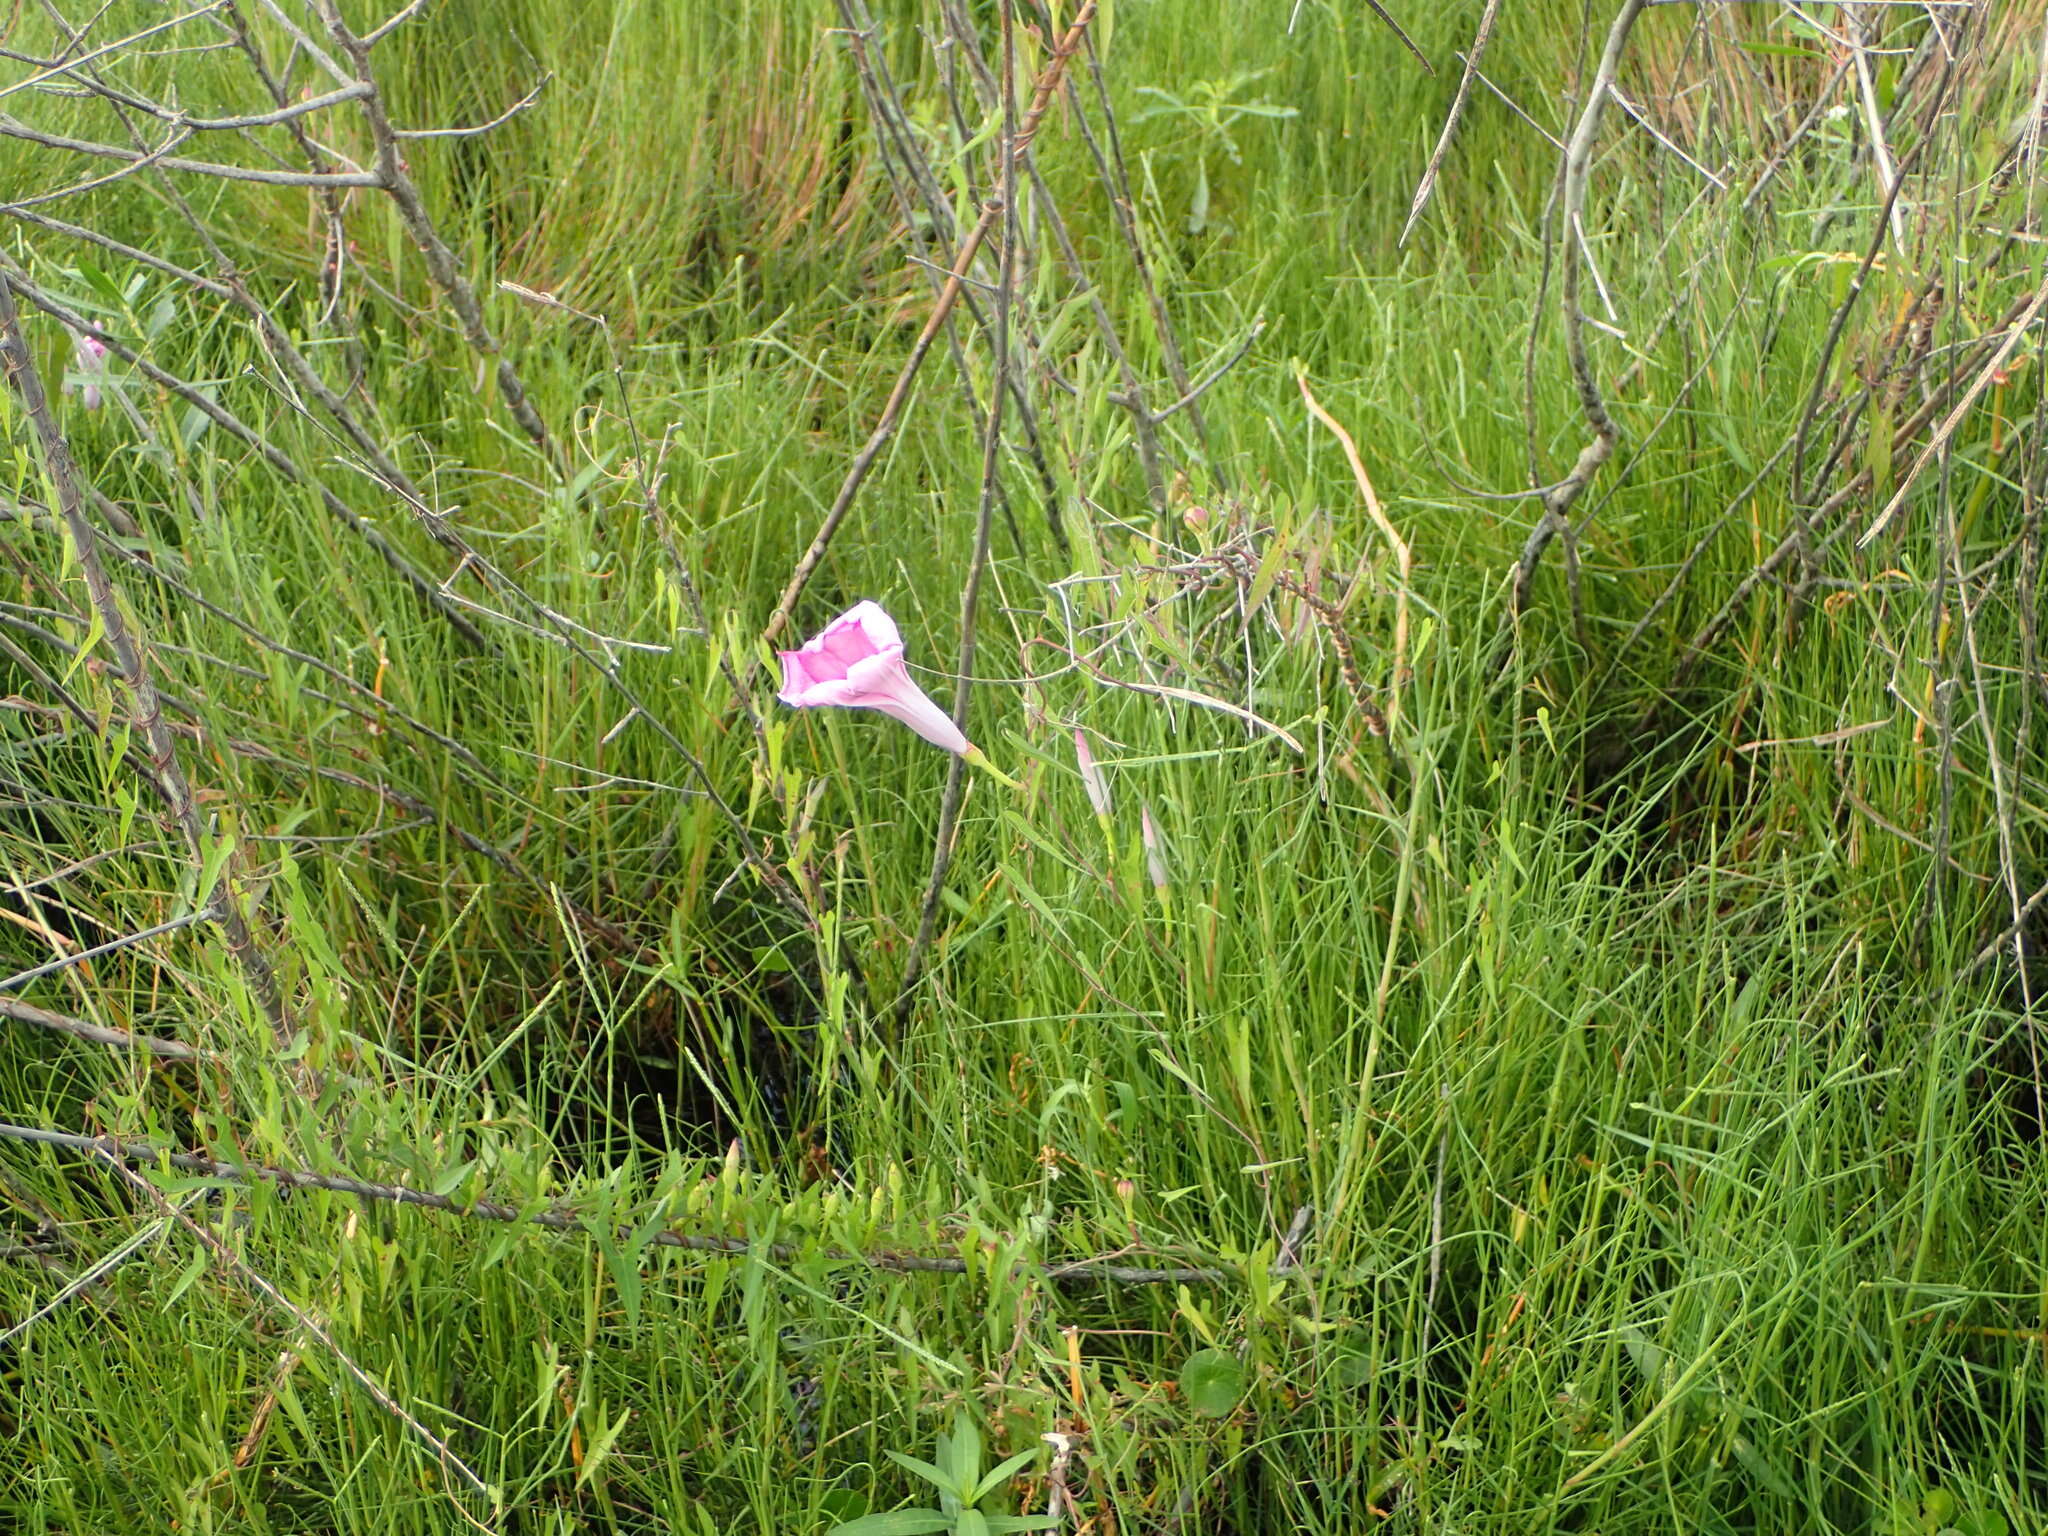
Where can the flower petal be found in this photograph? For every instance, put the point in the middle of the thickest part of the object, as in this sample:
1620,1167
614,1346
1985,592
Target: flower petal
808,667
874,622
927,719
846,643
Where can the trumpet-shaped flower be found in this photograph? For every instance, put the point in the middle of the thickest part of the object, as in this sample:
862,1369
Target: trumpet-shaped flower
857,663
89,363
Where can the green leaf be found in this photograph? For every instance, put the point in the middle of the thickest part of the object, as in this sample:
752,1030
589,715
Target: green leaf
923,1469
960,1454
1212,1381
1002,1473
1020,1522
843,1506
1352,1368
601,1447
1645,1351
1198,205
192,1271
897,1522
1763,1469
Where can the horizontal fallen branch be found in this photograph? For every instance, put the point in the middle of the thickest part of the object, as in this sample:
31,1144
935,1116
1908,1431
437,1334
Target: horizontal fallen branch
1080,1271
99,1034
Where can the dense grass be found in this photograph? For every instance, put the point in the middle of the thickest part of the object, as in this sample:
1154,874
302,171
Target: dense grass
1673,1163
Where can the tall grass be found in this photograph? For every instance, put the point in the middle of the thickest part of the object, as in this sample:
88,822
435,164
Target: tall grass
1671,1160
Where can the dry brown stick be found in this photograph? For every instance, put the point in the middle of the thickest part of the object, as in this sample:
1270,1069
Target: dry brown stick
50,69
315,157
70,957
889,1261
412,805
378,714
393,178
167,777
1144,421
1114,174
1403,561
885,428
12,129
2010,934
1577,163
1763,180
83,70
1407,42
99,1034
1685,567
1954,419
266,1406
88,1280
1889,175
558,627
1443,143
1793,542
280,346
2004,783
107,243
1830,343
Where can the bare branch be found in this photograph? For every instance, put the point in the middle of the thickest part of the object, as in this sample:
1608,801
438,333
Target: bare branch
1577,162
428,590
1985,375
480,129
1403,561
51,70
167,778
99,1034
9,128
442,266
885,427
448,1460
991,482
1427,185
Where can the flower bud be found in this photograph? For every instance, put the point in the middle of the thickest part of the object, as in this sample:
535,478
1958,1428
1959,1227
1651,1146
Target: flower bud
1092,778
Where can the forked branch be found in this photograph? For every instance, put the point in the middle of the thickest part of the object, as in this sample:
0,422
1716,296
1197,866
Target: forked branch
1578,154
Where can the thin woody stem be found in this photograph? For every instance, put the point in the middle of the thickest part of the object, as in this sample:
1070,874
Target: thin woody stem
885,428
1557,503
394,178
136,1154
167,777
991,480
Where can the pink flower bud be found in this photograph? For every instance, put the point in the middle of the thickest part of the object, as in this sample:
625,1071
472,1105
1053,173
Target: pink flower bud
1155,849
1091,776
89,363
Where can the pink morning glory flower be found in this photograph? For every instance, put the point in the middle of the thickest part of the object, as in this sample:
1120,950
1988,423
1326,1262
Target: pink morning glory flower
857,663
